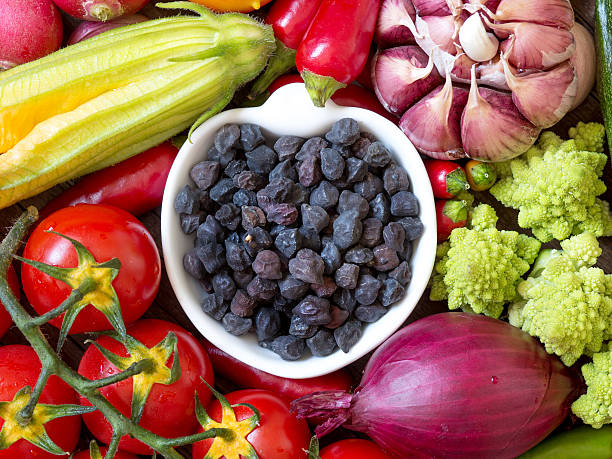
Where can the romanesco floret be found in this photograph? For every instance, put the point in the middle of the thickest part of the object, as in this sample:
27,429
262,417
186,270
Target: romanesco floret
595,407
588,136
566,303
555,185
478,269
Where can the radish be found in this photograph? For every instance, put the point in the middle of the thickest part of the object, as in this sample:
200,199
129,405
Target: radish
29,29
100,10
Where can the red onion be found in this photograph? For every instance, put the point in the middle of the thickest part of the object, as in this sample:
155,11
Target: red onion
453,385
89,29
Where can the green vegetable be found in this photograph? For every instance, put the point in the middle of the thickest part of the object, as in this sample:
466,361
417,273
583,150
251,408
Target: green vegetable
555,185
603,39
580,443
595,407
479,268
567,304
105,99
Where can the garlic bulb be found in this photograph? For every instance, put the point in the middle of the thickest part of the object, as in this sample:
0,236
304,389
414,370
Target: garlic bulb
476,42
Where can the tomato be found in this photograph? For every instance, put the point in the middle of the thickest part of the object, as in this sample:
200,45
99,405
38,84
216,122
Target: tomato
353,449
118,455
107,232
170,409
5,318
242,6
280,435
19,367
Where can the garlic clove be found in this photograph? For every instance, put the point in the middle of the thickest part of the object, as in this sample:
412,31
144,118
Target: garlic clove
543,97
437,32
476,42
461,68
492,128
491,73
489,6
432,7
432,124
401,76
583,61
554,13
534,46
395,24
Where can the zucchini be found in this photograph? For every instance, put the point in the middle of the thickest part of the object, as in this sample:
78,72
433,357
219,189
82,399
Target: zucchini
603,40
103,100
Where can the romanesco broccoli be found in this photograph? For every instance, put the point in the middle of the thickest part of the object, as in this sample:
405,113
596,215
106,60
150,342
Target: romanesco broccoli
595,407
567,303
478,269
555,185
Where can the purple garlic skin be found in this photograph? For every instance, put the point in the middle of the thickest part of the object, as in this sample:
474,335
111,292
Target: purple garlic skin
518,56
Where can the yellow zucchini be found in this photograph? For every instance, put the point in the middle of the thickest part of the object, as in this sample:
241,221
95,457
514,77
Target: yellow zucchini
103,100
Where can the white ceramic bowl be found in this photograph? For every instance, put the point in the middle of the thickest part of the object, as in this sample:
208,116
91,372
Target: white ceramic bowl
290,111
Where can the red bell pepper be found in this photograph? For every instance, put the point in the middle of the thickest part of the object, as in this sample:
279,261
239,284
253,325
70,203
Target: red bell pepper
248,377
351,96
290,20
336,46
136,184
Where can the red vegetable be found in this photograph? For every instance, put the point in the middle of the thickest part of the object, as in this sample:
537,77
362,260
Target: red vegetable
100,10
353,448
20,367
5,317
453,385
450,214
136,184
89,29
290,20
278,435
246,376
169,409
351,96
447,178
29,30
336,46
107,232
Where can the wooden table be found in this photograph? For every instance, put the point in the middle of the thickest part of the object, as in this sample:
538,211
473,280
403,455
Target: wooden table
167,307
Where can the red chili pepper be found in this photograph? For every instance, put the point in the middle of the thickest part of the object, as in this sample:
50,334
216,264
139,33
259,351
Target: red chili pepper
336,46
136,184
450,215
447,178
290,20
351,96
246,376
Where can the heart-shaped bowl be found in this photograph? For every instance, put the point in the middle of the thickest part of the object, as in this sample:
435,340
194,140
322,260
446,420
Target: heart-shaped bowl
289,111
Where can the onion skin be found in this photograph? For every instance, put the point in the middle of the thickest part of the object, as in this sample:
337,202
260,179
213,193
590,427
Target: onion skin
454,385
89,29
29,30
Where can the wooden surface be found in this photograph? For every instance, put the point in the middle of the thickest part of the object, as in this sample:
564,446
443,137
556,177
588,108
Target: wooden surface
167,307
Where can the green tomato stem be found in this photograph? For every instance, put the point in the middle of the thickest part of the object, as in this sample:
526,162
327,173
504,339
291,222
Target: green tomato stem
75,296
53,365
25,415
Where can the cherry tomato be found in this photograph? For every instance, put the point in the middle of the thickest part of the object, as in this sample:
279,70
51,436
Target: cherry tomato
242,6
280,435
353,449
107,232
5,318
170,409
118,455
19,367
